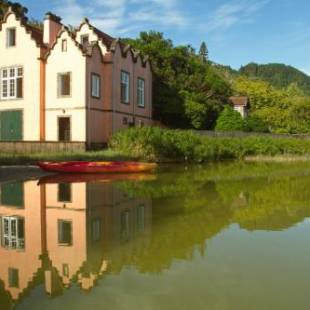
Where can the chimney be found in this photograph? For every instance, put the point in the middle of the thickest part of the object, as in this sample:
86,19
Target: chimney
52,26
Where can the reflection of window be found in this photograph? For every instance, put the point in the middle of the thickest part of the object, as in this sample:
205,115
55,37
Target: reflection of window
65,270
96,229
13,232
125,233
64,232
12,194
64,192
140,217
13,278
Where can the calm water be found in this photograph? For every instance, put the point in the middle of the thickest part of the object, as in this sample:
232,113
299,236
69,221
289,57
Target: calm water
229,236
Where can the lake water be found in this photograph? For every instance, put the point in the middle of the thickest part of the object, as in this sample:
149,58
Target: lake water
227,236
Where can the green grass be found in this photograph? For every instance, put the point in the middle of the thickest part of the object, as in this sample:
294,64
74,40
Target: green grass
32,159
163,145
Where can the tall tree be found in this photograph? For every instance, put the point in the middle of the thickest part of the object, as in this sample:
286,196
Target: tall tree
203,52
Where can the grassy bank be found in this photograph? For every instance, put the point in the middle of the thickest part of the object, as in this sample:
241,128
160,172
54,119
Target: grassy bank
32,159
156,144
162,145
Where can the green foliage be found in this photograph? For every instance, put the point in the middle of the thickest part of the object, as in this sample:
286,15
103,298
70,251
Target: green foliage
183,84
278,75
229,120
156,144
253,123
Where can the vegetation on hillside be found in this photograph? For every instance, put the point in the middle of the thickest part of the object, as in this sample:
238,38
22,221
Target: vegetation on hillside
278,75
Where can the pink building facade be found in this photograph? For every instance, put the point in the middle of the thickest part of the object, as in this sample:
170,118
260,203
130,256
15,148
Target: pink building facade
84,87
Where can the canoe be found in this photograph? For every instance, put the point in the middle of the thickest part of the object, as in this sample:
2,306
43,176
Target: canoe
97,178
97,167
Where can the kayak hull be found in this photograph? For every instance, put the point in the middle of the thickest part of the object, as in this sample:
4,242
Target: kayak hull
97,167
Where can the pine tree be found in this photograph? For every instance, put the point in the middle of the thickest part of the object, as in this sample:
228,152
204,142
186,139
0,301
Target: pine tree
203,52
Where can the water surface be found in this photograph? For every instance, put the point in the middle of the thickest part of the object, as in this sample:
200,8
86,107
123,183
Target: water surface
227,236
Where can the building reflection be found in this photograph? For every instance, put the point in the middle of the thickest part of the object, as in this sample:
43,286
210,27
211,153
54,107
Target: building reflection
58,234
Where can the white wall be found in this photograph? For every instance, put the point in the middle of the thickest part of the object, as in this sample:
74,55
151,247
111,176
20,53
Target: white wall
73,106
24,54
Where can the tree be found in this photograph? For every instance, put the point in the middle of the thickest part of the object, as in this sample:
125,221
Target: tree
184,86
229,120
203,52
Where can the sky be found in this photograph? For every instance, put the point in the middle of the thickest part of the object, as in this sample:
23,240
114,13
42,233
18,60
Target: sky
236,31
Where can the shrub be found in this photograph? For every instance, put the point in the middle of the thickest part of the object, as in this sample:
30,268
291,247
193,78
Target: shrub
229,120
156,144
254,123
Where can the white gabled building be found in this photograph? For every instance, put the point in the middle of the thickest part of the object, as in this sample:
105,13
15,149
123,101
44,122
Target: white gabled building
59,85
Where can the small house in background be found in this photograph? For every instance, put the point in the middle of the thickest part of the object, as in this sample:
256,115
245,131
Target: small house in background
240,104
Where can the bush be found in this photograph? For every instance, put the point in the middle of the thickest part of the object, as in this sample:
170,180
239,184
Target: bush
229,120
156,144
254,123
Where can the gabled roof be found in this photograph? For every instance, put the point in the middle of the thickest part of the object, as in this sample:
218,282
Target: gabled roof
242,101
35,33
104,37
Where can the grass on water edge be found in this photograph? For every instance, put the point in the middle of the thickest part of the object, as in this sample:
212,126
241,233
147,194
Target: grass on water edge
32,159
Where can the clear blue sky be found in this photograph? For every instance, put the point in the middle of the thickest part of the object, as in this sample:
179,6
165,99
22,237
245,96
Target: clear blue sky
236,31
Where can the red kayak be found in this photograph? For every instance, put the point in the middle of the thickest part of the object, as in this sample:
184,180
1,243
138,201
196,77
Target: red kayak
97,167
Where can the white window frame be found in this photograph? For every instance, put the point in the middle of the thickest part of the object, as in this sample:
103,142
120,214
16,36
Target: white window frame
95,85
8,37
9,78
125,80
64,45
10,233
141,93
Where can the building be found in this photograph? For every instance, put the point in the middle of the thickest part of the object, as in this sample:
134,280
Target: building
69,86
240,104
53,234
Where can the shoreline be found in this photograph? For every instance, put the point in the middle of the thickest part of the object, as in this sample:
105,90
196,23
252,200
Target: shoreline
22,172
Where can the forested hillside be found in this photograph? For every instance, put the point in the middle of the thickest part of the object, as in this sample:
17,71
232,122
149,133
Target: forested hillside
278,75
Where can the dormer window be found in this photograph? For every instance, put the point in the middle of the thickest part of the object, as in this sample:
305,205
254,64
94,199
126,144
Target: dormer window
11,37
85,40
64,45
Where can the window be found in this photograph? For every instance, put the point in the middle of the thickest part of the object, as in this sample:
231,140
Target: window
125,230
64,84
13,278
12,194
12,83
96,230
85,40
64,192
65,270
64,45
11,37
125,121
125,87
64,233
141,93
13,232
95,85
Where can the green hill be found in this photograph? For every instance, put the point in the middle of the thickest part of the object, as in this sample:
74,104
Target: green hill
278,75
